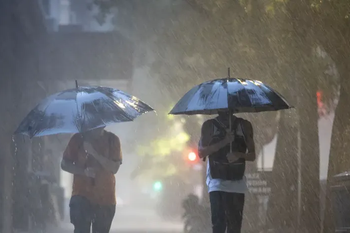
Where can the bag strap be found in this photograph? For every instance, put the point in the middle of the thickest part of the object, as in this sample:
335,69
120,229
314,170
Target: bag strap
235,123
239,123
218,124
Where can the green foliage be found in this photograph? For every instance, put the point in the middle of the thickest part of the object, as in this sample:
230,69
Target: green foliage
163,155
264,40
254,37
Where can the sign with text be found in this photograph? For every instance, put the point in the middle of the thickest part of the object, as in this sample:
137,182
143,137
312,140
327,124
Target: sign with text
257,184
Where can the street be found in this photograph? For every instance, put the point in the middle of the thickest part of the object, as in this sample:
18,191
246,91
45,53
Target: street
131,220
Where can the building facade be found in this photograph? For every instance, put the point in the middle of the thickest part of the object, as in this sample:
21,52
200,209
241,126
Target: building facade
42,52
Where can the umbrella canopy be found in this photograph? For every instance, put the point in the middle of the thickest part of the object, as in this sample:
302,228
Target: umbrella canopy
81,109
230,94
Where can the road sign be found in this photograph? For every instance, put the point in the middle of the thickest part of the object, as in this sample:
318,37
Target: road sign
256,184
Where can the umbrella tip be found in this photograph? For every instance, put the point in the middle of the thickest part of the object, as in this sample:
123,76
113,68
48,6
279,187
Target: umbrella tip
228,72
76,84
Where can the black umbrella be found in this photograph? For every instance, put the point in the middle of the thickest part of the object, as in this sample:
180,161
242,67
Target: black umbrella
230,94
81,109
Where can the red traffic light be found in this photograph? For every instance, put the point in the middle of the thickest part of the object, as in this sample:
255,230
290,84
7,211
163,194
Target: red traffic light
192,156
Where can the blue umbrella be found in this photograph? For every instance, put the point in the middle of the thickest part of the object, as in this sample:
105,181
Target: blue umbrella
81,109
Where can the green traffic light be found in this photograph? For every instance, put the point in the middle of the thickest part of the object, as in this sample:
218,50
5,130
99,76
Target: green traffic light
157,186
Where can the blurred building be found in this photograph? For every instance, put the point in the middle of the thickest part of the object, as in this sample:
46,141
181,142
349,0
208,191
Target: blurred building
45,46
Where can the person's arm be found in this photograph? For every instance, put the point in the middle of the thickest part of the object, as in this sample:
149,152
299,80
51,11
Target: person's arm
249,138
71,167
204,148
113,163
69,160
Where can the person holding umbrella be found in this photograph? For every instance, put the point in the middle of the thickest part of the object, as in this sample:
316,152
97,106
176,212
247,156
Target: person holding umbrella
225,171
228,141
93,158
93,155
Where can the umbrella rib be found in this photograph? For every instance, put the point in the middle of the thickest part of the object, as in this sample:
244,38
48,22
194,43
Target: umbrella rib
79,116
212,92
45,111
113,100
272,91
99,115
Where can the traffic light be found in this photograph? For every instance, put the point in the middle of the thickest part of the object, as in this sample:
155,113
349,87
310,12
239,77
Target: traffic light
192,156
322,110
193,161
157,186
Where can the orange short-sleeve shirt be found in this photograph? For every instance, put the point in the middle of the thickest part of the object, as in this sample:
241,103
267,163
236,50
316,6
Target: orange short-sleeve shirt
102,190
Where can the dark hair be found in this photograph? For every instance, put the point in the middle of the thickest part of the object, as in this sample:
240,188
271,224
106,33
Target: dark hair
223,113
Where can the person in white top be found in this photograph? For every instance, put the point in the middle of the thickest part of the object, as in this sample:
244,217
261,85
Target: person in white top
225,172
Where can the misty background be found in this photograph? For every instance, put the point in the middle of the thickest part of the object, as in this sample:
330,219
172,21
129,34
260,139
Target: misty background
157,51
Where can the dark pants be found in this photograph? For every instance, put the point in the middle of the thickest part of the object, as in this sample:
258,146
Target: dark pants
226,211
83,215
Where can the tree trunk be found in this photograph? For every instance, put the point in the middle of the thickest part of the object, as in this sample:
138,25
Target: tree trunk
282,210
339,160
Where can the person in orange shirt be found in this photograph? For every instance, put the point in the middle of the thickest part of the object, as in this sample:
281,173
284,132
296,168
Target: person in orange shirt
93,158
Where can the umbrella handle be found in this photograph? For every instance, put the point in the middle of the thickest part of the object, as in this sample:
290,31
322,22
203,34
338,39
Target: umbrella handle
230,112
230,120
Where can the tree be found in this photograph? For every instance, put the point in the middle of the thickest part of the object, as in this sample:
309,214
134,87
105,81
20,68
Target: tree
297,52
163,156
333,20
248,31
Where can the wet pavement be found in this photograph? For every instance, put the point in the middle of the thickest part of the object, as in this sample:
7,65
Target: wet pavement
128,220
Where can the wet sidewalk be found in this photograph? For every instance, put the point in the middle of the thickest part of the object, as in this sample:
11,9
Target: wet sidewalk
61,230
136,228
132,221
